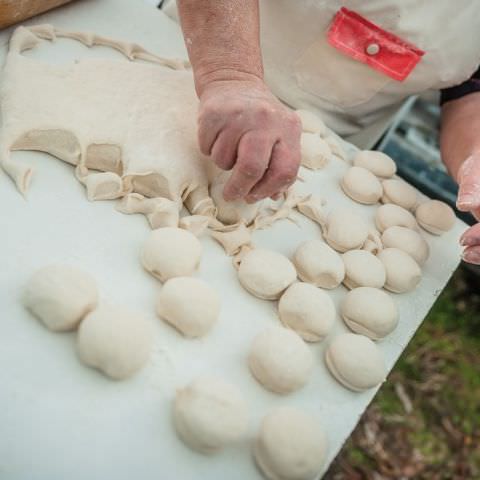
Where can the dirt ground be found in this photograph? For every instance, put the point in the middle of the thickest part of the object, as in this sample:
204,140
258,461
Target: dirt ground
424,423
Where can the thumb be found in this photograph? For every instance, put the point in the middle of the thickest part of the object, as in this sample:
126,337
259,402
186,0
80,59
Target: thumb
469,184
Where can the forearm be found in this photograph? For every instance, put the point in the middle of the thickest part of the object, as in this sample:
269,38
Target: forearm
222,39
460,131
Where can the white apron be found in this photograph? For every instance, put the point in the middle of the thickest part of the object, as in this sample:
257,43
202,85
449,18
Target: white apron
356,100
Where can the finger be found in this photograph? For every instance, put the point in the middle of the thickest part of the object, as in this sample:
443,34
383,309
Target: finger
253,156
471,237
224,150
472,255
282,172
469,184
209,128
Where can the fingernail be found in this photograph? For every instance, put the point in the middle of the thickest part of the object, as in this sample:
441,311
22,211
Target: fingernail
472,255
465,201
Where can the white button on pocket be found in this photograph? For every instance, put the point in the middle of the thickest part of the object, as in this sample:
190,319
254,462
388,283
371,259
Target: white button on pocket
372,49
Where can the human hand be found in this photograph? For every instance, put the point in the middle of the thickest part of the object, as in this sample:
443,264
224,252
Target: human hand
247,130
469,201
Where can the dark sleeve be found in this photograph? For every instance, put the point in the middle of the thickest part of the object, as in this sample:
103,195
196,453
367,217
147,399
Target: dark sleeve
471,85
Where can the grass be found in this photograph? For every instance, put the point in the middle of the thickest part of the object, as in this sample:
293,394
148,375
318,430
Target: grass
424,423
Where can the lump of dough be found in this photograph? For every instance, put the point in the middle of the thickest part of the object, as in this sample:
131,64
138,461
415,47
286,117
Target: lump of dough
319,264
235,211
280,360
60,296
307,310
345,230
189,304
403,272
390,215
312,123
378,163
435,217
290,445
363,269
370,311
362,185
355,361
265,273
115,341
209,414
400,193
315,151
407,240
171,252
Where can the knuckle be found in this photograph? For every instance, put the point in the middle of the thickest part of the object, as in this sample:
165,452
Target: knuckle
251,169
287,174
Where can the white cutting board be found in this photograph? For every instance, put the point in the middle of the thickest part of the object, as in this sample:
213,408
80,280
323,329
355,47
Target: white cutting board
60,420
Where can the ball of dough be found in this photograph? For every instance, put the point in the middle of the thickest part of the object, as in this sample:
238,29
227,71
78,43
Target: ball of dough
345,230
378,163
409,241
265,273
319,264
435,217
315,151
390,215
60,296
235,211
171,252
363,269
189,304
370,311
355,361
115,341
280,360
362,185
209,414
307,310
400,193
403,272
290,445
312,123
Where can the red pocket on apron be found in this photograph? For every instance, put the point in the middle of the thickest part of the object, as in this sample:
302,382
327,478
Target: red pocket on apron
366,42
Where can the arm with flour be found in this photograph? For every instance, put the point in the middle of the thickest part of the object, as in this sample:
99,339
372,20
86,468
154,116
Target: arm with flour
460,146
241,124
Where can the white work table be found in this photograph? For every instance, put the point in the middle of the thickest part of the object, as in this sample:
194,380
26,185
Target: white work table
60,420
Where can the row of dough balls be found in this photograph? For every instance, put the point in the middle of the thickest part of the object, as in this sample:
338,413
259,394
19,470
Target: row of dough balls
369,181
308,313
210,414
111,339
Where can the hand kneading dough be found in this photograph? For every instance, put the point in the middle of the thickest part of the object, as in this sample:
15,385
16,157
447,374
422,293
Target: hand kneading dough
362,185
319,264
403,272
115,341
307,310
60,296
280,360
370,311
345,230
363,269
189,304
435,217
390,215
355,361
290,446
315,151
378,163
171,252
266,274
400,193
409,241
312,123
209,414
